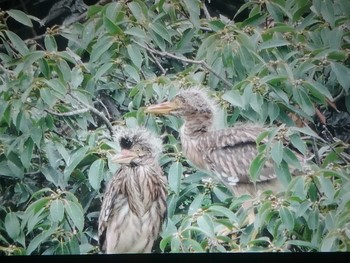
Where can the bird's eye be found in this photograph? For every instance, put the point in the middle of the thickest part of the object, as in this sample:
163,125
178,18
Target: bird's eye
179,99
125,143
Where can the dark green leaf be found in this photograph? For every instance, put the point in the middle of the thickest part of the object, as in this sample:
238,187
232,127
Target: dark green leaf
27,152
287,218
256,166
12,225
343,74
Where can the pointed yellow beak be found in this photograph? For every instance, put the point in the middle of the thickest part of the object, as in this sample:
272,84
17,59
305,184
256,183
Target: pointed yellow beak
162,108
124,157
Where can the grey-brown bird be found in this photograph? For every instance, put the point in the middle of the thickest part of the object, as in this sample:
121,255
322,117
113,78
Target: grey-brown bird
134,203
226,153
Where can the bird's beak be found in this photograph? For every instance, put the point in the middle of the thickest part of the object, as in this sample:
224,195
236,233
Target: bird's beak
162,108
125,156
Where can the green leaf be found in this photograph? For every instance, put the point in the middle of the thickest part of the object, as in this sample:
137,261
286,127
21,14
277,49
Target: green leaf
273,111
277,152
75,213
50,43
327,187
256,166
74,160
291,158
272,44
57,86
56,210
193,245
329,243
102,70
136,10
20,17
235,98
303,99
174,176
47,96
347,102
137,32
206,224
18,43
223,211
111,27
27,152
317,89
12,225
343,75
135,55
287,218
196,204
40,238
161,30
298,143
132,72
96,173
283,173
100,48
193,7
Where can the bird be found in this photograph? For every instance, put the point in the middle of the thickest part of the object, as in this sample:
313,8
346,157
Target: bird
134,205
225,153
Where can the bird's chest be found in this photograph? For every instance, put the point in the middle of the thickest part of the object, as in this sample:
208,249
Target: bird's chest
191,148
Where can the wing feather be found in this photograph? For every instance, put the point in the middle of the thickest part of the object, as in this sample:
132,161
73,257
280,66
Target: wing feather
229,153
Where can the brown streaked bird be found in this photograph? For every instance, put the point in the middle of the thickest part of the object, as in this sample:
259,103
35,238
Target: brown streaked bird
226,153
134,204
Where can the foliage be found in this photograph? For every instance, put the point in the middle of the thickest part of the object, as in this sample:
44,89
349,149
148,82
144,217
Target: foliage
282,64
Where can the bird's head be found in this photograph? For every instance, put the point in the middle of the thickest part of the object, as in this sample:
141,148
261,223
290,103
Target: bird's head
188,103
137,147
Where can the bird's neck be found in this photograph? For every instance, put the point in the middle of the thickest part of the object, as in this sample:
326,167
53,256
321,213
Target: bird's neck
197,125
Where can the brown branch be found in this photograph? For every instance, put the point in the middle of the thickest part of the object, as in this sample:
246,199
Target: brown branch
67,114
186,60
96,112
158,64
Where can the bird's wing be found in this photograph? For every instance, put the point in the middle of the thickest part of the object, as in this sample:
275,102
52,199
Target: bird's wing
229,153
108,203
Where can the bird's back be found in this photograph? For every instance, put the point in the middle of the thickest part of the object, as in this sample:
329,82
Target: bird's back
228,154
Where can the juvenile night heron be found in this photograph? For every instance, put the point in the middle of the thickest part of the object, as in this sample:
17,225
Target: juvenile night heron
226,153
134,203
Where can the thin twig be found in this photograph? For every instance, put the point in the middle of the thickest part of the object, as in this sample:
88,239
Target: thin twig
206,12
96,112
67,114
104,106
186,60
158,64
314,147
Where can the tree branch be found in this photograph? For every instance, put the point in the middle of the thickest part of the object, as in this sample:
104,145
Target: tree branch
96,112
186,60
67,114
